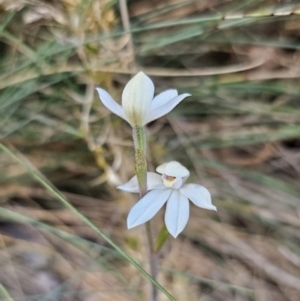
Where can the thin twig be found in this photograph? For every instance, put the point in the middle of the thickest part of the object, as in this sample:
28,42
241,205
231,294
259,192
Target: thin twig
126,26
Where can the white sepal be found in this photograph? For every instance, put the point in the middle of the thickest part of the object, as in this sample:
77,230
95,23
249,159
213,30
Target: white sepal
147,207
199,195
111,104
162,98
177,213
165,108
136,99
154,181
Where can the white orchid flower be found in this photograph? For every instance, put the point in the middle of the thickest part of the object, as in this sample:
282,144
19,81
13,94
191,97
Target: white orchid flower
168,187
138,105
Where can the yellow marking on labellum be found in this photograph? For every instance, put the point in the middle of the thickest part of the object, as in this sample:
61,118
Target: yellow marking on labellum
168,180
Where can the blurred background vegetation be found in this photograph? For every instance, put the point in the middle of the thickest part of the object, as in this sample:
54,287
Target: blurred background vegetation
239,134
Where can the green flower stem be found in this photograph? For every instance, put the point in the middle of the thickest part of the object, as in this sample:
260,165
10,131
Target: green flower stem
140,138
140,164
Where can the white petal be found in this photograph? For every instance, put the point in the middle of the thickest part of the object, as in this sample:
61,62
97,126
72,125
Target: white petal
110,103
130,186
173,169
147,207
199,195
166,108
162,98
177,213
136,99
154,181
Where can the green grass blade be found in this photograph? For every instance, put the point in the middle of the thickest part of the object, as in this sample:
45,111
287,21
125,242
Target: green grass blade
67,204
5,296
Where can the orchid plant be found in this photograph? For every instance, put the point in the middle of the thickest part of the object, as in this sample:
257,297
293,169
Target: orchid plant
170,188
139,107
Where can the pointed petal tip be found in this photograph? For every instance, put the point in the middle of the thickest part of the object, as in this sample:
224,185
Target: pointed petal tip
141,73
129,226
199,195
130,223
130,186
184,95
127,188
174,235
211,207
123,186
154,181
100,90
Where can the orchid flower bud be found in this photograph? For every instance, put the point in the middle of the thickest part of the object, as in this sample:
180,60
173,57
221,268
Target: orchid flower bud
138,105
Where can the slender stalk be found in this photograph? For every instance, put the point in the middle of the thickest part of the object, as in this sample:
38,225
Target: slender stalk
140,164
153,260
